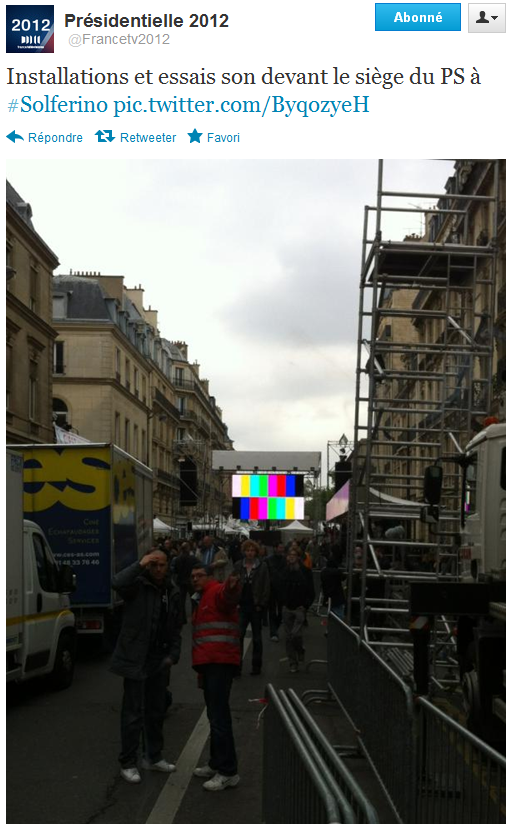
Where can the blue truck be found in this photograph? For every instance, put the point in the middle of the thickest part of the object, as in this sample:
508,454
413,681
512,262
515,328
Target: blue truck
94,503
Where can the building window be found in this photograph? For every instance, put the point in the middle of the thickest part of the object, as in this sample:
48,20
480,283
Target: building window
59,306
33,295
181,405
135,440
33,390
136,382
118,364
127,445
117,436
144,390
60,413
45,564
180,434
58,366
128,375
144,456
178,376
8,374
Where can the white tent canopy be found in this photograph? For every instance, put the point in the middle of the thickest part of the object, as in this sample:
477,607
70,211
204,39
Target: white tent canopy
161,527
296,528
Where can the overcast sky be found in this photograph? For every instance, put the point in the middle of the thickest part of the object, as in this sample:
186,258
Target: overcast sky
255,264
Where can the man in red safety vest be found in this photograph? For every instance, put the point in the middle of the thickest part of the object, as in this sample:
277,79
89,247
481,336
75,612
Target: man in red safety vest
216,657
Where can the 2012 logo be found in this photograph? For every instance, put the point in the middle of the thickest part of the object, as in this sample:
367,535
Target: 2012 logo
30,29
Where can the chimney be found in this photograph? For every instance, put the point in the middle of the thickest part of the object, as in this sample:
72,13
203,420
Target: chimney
182,346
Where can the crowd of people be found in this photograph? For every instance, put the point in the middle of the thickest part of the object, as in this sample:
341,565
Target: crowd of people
272,577
222,588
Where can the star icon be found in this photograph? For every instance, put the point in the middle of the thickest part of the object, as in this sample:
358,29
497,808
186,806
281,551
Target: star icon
195,136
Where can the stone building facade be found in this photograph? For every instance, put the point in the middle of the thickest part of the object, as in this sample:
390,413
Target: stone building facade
452,374
29,333
116,379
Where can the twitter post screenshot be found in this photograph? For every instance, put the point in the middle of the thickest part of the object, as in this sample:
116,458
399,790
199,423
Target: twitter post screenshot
255,372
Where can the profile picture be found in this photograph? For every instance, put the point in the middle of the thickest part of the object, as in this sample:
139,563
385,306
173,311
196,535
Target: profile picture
29,29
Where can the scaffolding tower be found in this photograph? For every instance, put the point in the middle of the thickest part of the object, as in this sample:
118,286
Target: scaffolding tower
423,386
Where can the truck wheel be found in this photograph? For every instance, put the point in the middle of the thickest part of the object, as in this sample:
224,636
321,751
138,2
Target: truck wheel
63,671
471,701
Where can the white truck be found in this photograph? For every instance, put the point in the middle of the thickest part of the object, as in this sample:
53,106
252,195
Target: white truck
482,549
481,639
478,600
41,636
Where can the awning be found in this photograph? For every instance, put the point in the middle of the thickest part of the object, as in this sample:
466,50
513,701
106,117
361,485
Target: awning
381,505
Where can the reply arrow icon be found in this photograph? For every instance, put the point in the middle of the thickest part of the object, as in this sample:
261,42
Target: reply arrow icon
13,137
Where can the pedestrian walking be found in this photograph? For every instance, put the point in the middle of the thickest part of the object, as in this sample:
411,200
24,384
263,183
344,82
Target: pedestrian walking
216,658
234,551
331,579
276,564
297,594
255,593
184,564
305,555
148,645
214,558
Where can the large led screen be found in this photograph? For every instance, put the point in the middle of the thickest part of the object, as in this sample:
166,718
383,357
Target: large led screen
268,497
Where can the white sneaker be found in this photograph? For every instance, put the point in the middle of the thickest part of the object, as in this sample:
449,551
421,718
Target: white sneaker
204,772
131,775
159,766
221,782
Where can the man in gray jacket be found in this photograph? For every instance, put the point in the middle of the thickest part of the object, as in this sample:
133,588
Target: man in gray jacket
255,581
148,645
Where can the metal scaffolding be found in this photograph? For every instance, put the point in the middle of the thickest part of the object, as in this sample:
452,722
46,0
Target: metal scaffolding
423,384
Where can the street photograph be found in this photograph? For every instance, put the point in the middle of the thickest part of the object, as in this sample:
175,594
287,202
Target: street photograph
256,491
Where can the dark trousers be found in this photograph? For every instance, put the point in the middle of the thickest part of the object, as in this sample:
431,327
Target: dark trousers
184,594
217,683
274,615
249,615
293,622
143,713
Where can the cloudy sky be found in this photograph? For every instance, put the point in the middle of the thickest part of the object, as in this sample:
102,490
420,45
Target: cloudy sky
255,264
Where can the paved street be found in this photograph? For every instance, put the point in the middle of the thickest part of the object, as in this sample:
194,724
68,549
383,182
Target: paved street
62,746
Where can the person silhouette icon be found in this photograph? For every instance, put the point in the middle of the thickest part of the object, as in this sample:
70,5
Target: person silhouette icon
482,17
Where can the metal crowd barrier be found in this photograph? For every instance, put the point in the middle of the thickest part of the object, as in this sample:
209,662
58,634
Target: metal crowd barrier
304,781
460,780
433,770
379,705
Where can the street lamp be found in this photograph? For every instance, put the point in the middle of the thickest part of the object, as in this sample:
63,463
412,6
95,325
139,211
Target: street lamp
340,449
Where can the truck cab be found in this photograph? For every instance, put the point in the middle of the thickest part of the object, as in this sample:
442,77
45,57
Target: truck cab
40,638
482,550
481,639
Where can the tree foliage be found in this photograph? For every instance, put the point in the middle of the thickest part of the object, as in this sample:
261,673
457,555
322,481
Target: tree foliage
316,499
